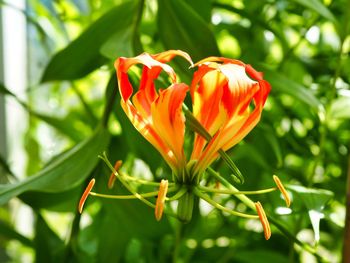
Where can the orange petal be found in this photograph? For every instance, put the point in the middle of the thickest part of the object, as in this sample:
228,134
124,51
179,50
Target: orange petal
209,60
85,195
237,95
139,110
147,130
263,220
283,190
168,119
207,91
163,189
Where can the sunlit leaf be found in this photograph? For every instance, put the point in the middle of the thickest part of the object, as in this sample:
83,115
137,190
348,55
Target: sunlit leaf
315,201
119,45
64,172
82,56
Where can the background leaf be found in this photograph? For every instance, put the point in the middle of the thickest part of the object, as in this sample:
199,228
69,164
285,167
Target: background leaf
315,200
63,173
187,31
83,55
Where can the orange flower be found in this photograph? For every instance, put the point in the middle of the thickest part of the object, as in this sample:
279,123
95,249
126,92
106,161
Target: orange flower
228,97
156,115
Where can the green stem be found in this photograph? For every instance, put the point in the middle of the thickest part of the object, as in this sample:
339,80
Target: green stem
231,192
126,185
176,196
178,237
206,198
248,202
141,181
145,195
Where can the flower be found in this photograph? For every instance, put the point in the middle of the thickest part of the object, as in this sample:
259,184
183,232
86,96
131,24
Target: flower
156,115
227,95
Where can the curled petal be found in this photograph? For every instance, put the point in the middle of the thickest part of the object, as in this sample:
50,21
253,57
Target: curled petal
232,111
263,220
283,190
210,60
169,121
163,189
156,116
207,89
85,195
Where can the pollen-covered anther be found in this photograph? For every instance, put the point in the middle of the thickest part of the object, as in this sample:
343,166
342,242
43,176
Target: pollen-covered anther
85,195
112,177
263,220
163,189
283,190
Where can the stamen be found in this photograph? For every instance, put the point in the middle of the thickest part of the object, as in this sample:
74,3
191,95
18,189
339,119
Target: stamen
282,189
163,189
85,195
236,192
206,198
113,176
263,220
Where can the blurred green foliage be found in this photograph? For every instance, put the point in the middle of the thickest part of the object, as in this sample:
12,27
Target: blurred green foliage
302,46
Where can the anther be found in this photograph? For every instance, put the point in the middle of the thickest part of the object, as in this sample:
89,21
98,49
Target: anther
85,195
282,189
112,177
263,220
163,189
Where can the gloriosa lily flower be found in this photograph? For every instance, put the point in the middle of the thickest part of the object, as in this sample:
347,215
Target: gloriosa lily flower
222,91
227,101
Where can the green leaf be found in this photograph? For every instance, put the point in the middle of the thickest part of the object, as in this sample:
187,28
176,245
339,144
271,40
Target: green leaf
49,248
120,44
82,56
318,7
182,28
65,201
340,108
283,84
202,8
64,172
63,125
315,201
8,232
